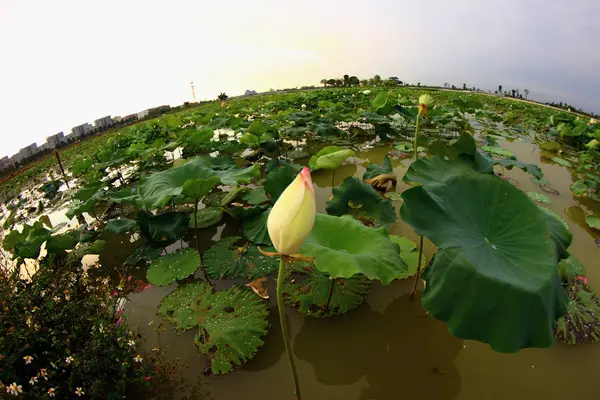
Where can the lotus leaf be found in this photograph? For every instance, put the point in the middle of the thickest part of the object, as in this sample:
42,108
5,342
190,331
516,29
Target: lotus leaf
255,228
226,260
344,247
332,157
494,256
162,229
177,265
206,217
580,324
278,180
121,225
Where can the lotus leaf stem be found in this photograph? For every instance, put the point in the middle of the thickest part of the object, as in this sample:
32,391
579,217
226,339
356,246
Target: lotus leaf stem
332,284
283,323
414,289
198,241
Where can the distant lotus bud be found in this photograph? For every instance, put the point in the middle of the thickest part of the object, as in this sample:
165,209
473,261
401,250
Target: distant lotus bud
425,101
293,215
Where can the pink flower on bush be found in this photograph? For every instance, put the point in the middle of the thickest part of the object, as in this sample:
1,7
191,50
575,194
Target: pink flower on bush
583,279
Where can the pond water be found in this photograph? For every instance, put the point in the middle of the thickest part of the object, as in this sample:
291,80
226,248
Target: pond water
387,348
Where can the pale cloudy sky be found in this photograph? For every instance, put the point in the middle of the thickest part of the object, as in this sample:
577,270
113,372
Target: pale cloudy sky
65,62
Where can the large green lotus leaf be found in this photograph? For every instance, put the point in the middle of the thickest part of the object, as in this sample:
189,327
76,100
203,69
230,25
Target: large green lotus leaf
59,243
121,225
159,188
255,196
312,163
579,188
334,160
484,163
86,248
162,229
497,151
126,195
177,265
343,247
561,161
434,169
379,100
255,228
374,170
78,207
200,187
309,296
539,197
231,330
206,217
279,179
581,323
226,169
225,260
86,193
464,144
495,257
356,198
186,306
250,139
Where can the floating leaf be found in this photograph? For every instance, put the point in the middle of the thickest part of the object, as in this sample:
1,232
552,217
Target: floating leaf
550,146
143,253
186,306
374,170
200,187
592,221
162,229
230,332
561,161
333,157
497,151
356,198
343,247
309,295
206,217
225,260
177,265
581,323
540,198
578,188
255,229
494,256
558,230
120,225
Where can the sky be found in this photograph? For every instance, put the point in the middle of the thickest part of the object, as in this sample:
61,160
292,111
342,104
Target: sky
66,62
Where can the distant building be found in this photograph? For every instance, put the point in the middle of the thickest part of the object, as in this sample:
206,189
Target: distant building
17,158
54,140
128,118
4,162
29,151
104,122
249,92
143,114
82,129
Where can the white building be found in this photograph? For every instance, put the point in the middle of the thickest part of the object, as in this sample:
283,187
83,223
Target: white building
82,129
29,151
103,122
143,114
55,140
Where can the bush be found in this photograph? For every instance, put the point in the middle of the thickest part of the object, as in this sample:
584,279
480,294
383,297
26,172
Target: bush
62,335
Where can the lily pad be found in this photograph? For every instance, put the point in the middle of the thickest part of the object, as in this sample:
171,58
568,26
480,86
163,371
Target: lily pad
226,260
177,265
255,196
206,217
143,253
540,198
185,306
278,180
231,330
581,323
498,151
374,170
593,222
330,157
356,198
344,247
162,229
578,188
561,161
309,295
494,256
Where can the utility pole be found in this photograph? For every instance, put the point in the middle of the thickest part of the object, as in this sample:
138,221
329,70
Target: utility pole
193,85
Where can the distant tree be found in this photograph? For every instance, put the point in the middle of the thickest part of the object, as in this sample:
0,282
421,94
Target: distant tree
453,87
514,92
346,79
364,82
518,95
500,88
394,78
526,91
324,82
339,83
353,81
222,97
331,82
464,86
376,80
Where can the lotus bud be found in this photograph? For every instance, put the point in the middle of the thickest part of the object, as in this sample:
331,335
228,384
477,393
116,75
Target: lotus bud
425,101
293,215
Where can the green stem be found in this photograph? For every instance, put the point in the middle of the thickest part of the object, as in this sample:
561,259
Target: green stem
418,276
198,241
332,284
414,289
416,134
283,323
